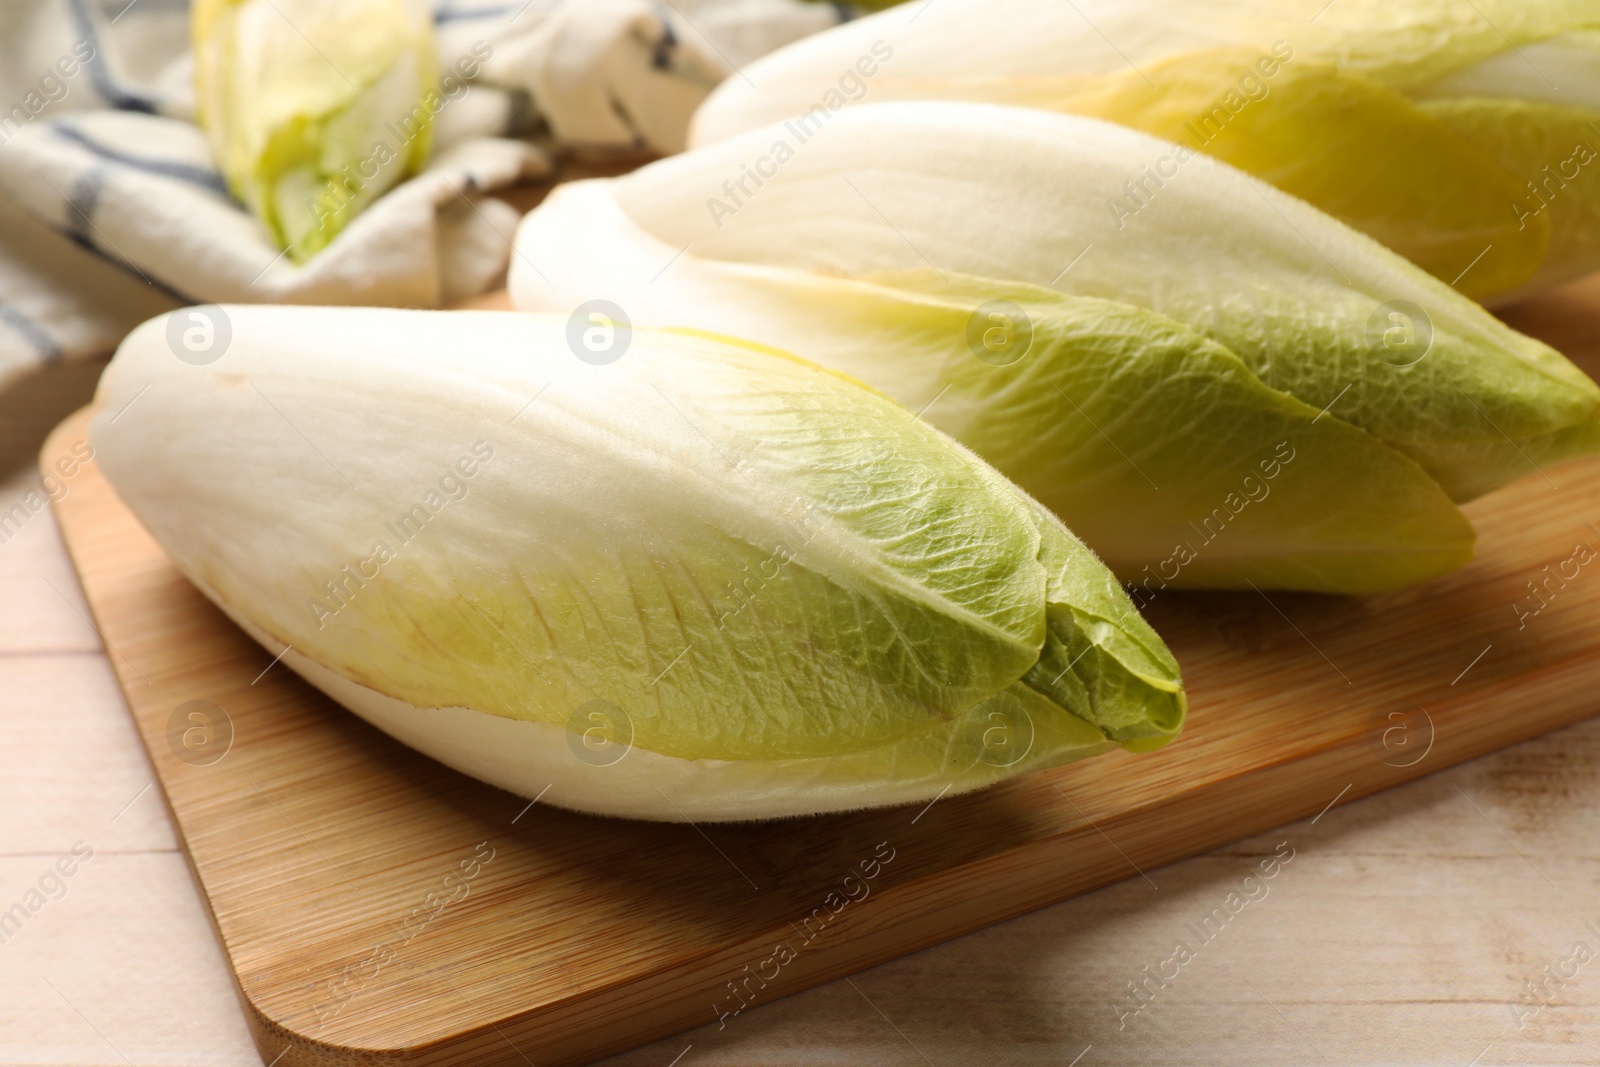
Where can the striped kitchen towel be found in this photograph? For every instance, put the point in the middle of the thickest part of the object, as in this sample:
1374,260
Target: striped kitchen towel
111,210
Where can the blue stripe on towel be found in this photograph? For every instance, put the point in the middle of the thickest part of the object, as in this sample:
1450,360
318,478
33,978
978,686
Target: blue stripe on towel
100,74
82,201
115,9
42,343
190,173
666,44
453,14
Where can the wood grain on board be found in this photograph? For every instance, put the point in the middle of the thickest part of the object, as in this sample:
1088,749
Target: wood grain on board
378,908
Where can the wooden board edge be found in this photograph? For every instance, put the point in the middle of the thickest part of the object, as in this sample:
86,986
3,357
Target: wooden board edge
881,928
870,934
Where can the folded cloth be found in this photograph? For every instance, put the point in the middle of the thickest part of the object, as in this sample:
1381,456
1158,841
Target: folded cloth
112,211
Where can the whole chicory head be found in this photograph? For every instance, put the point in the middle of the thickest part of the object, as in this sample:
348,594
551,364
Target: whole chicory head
665,576
314,108
1463,134
1218,387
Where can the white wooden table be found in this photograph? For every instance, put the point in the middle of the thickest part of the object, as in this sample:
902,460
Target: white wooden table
1409,928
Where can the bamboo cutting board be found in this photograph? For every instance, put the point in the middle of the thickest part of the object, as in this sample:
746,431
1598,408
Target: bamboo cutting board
377,908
